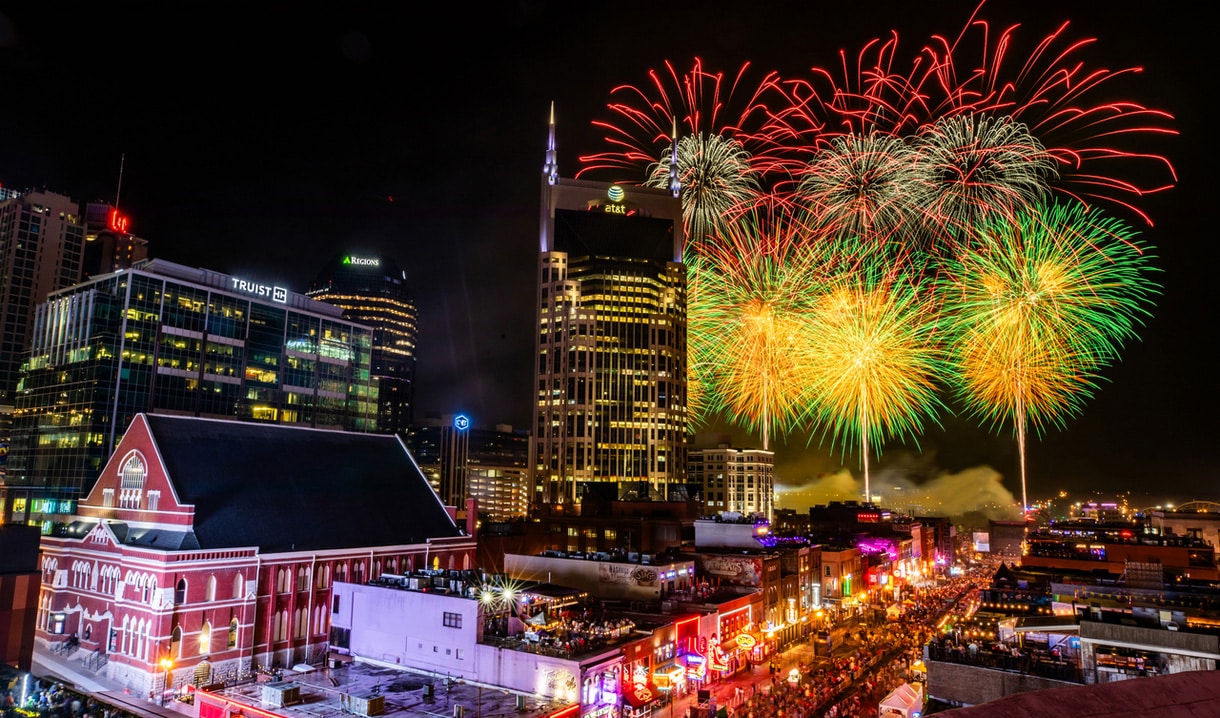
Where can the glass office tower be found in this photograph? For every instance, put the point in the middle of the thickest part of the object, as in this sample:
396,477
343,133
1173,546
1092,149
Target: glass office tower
165,338
373,291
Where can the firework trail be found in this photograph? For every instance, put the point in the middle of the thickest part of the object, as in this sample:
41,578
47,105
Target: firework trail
1036,308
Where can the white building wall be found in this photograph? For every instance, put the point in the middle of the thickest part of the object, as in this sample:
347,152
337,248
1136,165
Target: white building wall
408,628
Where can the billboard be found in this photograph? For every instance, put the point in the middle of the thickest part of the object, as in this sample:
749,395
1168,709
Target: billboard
734,570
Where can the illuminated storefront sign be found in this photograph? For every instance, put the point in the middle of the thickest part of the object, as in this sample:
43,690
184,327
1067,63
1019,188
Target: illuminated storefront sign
355,261
277,294
745,641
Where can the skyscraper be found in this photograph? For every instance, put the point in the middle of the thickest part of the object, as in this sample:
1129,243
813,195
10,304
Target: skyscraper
42,237
611,375
168,339
373,291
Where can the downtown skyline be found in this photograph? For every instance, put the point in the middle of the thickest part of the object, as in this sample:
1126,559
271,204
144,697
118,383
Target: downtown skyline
350,132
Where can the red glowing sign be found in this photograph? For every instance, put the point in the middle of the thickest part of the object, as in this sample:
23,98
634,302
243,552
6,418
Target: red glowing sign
118,222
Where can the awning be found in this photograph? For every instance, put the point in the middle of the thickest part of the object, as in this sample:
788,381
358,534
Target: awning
639,695
665,675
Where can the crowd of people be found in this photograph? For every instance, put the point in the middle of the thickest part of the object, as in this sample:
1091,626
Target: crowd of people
851,685
52,700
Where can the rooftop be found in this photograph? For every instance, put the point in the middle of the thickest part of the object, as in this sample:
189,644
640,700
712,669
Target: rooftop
329,691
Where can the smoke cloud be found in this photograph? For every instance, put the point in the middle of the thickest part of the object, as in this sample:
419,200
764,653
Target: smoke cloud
906,482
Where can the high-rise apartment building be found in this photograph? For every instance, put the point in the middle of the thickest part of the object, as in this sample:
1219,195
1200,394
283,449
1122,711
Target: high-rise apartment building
373,291
168,339
42,238
734,480
611,374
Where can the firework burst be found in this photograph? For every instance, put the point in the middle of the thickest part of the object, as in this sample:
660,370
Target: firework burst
1036,308
717,181
1061,99
862,191
749,299
724,155
978,166
874,365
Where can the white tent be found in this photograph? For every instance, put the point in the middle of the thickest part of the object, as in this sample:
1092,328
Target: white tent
905,701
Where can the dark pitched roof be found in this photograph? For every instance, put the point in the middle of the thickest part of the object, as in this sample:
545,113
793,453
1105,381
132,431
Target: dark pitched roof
286,488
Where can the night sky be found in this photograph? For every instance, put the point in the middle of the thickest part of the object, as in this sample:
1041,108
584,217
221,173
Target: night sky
262,144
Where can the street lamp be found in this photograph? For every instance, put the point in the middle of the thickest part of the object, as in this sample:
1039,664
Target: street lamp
167,664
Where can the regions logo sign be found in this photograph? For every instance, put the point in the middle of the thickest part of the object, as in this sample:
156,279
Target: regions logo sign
354,261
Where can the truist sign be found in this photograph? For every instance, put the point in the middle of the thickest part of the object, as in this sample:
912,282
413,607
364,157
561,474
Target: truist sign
277,294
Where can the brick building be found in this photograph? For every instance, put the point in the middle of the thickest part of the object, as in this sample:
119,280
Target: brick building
209,547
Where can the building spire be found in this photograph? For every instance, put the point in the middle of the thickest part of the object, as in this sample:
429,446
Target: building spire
551,168
675,184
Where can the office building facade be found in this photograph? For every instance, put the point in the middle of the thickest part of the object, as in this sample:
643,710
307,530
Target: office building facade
169,339
373,291
610,382
734,480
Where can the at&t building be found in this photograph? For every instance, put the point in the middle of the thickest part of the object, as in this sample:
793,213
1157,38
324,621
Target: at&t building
611,372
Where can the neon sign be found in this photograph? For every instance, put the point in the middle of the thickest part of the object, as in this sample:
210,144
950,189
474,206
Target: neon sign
745,641
614,209
118,222
461,422
615,193
277,294
361,261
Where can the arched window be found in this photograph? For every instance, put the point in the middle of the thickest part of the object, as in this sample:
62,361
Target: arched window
175,642
205,639
211,590
302,579
180,592
233,633
280,586
132,472
237,586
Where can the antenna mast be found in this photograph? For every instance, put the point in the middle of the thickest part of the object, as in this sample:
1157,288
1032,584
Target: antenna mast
119,189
